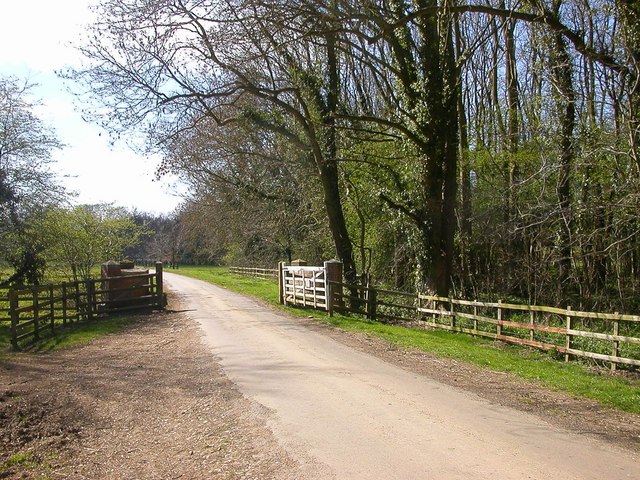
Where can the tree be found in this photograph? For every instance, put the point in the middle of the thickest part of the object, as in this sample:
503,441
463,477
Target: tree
173,64
410,62
370,109
257,184
76,240
26,182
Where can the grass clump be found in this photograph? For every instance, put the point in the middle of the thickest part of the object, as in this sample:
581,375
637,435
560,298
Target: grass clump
613,391
20,459
27,465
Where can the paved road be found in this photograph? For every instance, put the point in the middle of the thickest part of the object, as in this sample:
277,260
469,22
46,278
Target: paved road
348,415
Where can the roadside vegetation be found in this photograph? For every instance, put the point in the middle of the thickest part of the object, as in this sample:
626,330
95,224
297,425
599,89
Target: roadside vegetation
70,337
617,391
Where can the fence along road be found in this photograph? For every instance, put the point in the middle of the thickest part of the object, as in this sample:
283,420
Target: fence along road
345,414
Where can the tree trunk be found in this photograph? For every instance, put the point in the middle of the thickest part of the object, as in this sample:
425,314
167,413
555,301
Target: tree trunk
337,224
328,167
561,74
439,182
464,206
514,239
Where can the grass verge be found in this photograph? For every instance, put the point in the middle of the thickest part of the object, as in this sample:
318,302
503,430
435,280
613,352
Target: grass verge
613,391
68,337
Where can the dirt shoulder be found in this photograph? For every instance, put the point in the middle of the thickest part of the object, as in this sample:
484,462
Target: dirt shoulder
152,402
147,402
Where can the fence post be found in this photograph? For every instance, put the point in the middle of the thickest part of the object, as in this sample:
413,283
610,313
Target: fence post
532,322
36,314
475,316
452,320
90,287
52,309
15,317
330,294
281,282
64,304
333,273
159,285
77,299
568,344
499,325
372,303
616,344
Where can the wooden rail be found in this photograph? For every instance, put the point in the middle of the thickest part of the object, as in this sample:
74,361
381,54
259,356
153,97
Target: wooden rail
45,309
4,307
266,273
612,338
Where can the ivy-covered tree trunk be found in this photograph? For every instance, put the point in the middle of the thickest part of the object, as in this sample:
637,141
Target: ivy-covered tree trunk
337,224
464,203
630,16
428,78
561,74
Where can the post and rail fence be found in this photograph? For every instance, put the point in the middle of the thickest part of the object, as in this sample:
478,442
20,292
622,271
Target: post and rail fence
266,273
606,337
47,308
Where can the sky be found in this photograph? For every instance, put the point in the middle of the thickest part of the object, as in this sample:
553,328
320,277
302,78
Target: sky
36,39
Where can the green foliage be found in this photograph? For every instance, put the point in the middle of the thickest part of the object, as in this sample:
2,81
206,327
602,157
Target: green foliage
27,185
20,459
76,240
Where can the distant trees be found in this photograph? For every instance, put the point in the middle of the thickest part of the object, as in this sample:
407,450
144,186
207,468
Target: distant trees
76,240
486,148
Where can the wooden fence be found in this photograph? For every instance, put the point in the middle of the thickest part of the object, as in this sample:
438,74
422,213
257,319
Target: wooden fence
266,273
45,309
612,338
306,286
605,337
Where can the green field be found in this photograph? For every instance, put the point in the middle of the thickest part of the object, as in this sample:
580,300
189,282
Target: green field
614,391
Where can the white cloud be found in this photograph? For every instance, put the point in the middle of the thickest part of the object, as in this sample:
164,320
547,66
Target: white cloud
38,33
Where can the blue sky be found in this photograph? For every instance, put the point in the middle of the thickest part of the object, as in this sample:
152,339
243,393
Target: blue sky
35,39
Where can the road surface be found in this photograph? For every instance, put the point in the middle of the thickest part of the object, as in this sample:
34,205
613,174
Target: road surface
345,414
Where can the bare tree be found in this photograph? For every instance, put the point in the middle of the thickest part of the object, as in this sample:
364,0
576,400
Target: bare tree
164,63
26,182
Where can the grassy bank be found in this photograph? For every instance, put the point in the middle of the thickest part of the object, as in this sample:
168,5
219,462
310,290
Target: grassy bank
614,391
68,337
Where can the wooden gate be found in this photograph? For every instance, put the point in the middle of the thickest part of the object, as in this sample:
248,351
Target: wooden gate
305,286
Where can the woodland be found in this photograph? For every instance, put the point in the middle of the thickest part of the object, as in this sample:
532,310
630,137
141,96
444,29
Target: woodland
479,149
